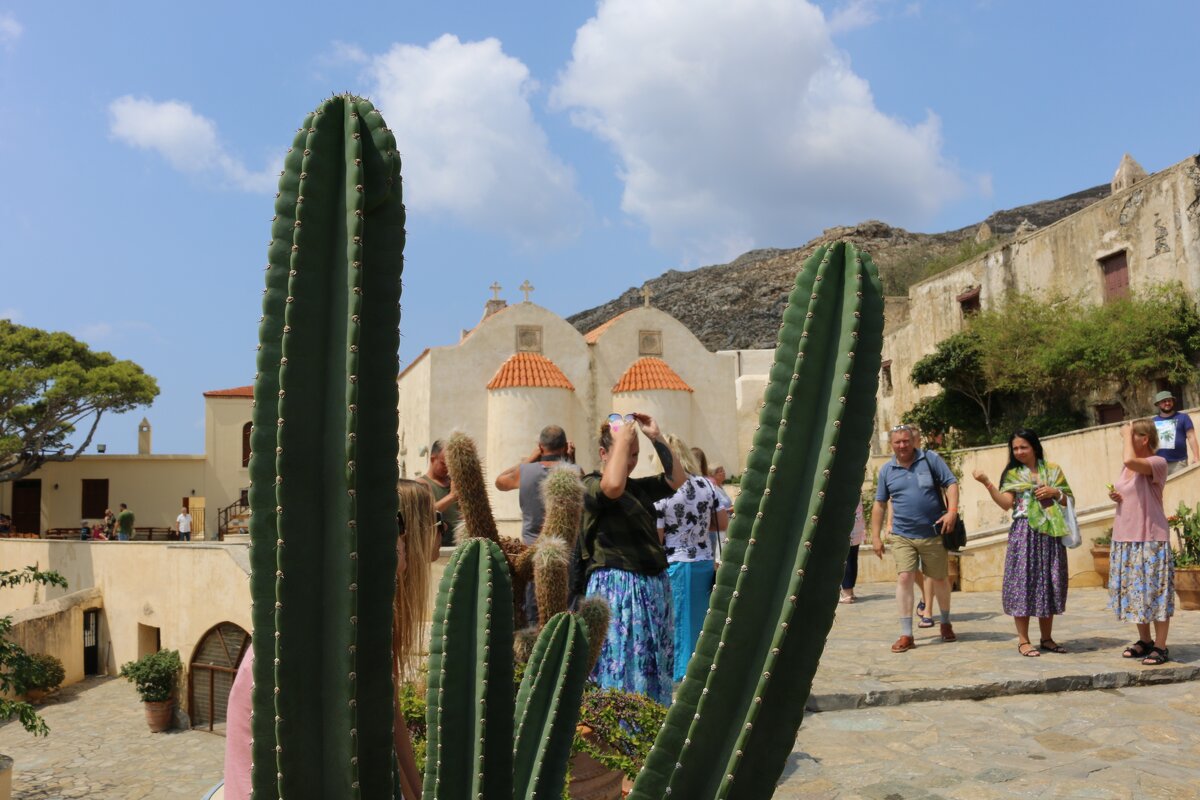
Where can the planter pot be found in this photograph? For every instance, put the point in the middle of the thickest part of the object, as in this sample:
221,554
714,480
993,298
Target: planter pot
158,715
1100,559
591,780
1187,586
35,696
6,765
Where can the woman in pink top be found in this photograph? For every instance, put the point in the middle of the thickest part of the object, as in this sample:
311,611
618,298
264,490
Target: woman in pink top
1141,574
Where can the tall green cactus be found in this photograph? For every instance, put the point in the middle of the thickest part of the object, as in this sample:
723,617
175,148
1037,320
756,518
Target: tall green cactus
323,465
481,743
735,716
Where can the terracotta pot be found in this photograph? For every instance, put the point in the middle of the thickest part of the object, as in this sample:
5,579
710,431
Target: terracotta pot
591,780
1100,559
35,696
1187,586
158,715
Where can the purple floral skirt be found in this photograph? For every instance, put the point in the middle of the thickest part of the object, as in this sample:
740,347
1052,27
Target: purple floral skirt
1035,573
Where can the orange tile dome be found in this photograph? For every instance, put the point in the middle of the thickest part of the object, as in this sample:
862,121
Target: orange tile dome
650,373
529,369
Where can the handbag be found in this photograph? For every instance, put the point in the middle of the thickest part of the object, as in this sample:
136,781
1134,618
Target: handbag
956,539
1073,538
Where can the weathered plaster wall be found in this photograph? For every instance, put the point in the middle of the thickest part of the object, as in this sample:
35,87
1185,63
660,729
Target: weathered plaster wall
55,627
225,477
1156,222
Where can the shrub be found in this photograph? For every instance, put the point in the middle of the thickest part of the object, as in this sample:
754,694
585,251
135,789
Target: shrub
42,671
154,675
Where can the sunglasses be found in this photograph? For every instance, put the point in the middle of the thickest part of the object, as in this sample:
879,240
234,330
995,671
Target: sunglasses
615,421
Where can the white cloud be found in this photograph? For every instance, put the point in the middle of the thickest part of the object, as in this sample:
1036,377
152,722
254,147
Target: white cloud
470,144
187,140
740,123
853,14
10,30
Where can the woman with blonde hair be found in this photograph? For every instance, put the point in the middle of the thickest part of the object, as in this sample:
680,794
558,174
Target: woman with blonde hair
1141,572
684,521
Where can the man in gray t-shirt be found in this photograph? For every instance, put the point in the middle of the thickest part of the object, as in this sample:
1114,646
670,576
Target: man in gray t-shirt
526,477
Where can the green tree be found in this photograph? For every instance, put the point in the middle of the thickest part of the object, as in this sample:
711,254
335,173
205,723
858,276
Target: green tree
50,384
957,366
1128,343
15,663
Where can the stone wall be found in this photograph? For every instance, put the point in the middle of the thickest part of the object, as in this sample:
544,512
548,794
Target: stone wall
56,628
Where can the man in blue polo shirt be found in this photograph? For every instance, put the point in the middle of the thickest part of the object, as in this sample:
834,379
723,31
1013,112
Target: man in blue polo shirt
913,480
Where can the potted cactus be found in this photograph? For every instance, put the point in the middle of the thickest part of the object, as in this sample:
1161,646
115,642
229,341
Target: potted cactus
155,675
1101,546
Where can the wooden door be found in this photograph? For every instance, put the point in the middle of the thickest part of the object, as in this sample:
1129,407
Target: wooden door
196,506
1116,275
27,506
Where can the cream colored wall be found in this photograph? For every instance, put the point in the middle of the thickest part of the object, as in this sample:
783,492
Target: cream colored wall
1155,221
673,412
714,423
153,487
182,589
515,420
224,418
56,628
415,409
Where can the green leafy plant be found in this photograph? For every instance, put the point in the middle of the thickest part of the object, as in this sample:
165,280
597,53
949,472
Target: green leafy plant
623,726
155,675
1186,524
1105,540
14,659
43,672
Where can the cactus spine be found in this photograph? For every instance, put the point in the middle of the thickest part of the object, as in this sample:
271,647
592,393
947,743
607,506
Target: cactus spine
595,614
323,469
562,497
481,744
466,476
731,726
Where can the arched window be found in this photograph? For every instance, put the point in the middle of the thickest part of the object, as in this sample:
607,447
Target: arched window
211,672
246,443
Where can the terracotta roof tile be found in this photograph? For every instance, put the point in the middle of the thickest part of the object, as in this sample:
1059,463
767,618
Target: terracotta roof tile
240,391
650,373
595,333
529,369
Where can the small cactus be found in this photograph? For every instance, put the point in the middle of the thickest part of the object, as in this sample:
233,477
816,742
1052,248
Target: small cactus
551,565
595,614
562,497
466,476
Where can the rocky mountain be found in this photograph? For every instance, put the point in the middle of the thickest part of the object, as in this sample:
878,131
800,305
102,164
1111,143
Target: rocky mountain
738,305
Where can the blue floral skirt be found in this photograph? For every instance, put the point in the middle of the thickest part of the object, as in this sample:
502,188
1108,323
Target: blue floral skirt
638,654
691,584
1141,581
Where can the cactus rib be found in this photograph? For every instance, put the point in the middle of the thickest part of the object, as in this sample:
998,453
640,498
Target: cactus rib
729,731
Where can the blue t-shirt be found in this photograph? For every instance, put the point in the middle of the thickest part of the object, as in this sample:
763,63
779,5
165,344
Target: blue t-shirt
1172,436
915,492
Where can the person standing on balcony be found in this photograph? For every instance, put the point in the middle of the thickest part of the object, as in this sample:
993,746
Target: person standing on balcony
1176,434
183,525
124,523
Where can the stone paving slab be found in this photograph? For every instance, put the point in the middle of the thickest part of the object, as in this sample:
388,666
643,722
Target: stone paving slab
858,669
1111,744
100,748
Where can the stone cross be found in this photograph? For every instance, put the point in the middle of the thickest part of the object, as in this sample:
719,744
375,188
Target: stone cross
495,287
525,287
646,295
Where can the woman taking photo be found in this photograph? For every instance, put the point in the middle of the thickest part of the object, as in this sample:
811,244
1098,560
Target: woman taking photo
1141,572
685,520
1035,566
624,562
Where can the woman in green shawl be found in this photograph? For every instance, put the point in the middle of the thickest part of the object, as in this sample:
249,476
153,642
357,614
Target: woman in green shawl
1035,566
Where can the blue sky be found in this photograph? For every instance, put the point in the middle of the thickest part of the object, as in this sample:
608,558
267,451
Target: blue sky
586,147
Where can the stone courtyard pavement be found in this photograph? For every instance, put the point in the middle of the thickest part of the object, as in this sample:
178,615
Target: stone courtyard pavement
965,720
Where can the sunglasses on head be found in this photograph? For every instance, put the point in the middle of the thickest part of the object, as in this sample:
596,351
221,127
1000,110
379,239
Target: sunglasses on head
615,421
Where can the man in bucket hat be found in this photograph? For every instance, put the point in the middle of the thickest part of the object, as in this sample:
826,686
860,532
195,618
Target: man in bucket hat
1176,434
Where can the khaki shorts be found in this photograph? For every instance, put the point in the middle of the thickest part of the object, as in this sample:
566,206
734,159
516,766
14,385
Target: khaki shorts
929,552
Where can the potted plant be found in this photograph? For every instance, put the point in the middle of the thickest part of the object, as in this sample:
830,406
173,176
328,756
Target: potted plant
155,677
40,674
1101,546
615,733
1185,524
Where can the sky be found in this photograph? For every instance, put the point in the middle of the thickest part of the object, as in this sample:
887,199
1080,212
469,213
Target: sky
583,146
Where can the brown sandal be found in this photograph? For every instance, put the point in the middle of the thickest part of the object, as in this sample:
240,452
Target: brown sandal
1031,652
1051,646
